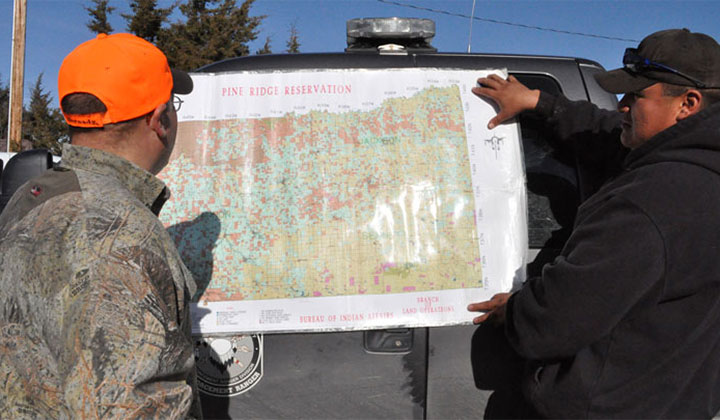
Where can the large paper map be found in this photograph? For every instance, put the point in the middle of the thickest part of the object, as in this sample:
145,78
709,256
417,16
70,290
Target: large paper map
341,199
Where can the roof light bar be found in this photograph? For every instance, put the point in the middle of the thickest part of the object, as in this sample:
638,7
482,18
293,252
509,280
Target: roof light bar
402,31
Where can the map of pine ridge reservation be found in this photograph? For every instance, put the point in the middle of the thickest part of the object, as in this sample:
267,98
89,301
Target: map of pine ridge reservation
324,203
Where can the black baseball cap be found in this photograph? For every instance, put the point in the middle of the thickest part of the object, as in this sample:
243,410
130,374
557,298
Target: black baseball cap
675,56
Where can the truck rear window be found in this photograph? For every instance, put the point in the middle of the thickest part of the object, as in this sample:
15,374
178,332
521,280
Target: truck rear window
551,179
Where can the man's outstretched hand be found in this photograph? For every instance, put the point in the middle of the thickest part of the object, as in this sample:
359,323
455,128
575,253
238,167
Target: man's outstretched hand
511,96
494,309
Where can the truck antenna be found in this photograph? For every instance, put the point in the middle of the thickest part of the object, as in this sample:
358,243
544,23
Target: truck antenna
472,17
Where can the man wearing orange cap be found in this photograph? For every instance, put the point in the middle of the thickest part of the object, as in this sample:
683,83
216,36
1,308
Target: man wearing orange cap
625,323
95,316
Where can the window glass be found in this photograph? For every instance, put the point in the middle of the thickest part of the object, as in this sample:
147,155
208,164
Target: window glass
551,181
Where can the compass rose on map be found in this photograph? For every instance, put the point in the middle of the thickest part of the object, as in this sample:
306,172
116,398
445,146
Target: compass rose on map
495,144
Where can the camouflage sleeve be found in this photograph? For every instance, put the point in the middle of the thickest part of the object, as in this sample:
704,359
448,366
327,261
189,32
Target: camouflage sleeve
127,352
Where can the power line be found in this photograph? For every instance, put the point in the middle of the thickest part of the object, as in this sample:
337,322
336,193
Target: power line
500,22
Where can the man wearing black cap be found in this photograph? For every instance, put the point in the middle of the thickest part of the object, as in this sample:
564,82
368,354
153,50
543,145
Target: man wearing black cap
94,309
626,322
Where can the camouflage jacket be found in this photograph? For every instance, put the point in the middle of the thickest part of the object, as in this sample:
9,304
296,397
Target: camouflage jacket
95,314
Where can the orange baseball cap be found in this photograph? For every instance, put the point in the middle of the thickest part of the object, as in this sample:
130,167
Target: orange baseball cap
128,74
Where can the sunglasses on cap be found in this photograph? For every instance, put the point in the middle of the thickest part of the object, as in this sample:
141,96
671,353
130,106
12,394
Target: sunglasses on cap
177,102
637,64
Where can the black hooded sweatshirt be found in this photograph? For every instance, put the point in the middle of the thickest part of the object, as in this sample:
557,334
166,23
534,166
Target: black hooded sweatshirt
625,323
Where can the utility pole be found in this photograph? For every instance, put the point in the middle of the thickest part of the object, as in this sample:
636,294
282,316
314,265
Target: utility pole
17,75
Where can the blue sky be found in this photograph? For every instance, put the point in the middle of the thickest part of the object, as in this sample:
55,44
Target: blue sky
55,27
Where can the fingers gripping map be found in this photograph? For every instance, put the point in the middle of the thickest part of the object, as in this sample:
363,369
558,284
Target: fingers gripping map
344,199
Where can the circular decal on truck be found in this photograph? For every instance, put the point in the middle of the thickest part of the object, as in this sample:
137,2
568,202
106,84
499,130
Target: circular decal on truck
228,365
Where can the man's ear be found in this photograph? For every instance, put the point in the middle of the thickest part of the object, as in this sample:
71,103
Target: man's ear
692,104
159,121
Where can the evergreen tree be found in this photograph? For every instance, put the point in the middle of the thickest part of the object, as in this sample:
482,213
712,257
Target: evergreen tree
265,49
213,30
146,19
4,107
293,44
43,125
99,17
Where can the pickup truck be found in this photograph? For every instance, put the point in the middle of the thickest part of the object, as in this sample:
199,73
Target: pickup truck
419,373
401,373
